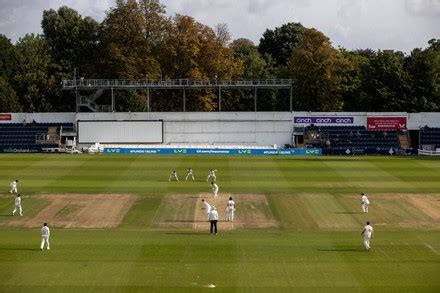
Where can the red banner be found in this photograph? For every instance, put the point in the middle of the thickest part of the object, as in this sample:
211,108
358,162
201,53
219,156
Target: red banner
386,123
5,117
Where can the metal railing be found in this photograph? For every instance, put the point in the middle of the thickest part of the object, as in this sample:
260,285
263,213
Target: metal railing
173,83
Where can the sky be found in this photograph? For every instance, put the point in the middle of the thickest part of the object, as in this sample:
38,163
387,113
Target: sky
352,24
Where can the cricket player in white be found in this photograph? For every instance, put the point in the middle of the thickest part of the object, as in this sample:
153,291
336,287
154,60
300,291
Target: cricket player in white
368,234
211,175
214,188
13,186
45,234
173,176
189,173
230,209
206,207
364,203
17,205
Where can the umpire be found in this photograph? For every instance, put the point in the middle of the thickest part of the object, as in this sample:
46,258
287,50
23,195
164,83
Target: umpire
213,218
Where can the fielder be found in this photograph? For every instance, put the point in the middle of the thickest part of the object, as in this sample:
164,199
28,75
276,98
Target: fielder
211,175
368,234
45,234
230,209
214,188
364,203
206,207
173,176
17,205
13,186
189,173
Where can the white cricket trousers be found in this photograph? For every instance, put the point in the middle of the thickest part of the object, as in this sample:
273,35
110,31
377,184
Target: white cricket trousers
365,207
19,209
230,215
13,190
367,242
45,240
211,178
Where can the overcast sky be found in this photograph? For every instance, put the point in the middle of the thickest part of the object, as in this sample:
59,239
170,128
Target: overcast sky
378,24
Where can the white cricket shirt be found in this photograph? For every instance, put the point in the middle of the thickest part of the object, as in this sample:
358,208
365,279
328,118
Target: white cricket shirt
368,231
45,231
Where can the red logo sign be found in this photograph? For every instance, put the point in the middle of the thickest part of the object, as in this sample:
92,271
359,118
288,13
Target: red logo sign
6,117
386,123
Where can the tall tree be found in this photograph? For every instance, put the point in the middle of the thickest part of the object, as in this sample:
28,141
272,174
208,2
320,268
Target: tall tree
72,40
7,58
280,42
386,86
317,69
254,64
35,86
8,98
424,69
195,51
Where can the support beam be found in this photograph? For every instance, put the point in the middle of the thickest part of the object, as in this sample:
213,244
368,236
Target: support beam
148,100
113,100
184,100
219,98
255,99
291,97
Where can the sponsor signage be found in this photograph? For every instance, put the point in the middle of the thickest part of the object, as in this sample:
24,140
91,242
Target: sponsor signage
323,120
20,150
189,151
386,123
6,117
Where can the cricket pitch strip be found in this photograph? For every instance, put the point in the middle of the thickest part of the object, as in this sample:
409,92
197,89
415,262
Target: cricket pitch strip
77,211
186,211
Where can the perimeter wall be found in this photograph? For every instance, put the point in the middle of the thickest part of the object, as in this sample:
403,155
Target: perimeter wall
259,128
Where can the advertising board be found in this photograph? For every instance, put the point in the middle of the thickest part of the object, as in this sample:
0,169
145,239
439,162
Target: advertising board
386,123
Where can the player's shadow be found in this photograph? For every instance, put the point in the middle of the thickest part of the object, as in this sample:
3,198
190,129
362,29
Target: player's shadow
181,221
341,250
187,233
348,213
20,249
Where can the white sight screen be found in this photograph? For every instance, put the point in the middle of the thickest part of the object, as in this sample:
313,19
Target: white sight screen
120,132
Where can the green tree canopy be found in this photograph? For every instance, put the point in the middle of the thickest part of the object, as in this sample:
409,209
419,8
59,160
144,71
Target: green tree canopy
7,58
280,42
317,70
8,98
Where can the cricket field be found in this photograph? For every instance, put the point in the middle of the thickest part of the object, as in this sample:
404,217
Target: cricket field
118,225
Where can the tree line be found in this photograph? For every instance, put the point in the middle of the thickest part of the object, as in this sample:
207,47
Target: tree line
137,40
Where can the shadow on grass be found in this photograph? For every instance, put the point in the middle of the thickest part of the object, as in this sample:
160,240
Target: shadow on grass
22,249
182,221
342,249
348,213
187,233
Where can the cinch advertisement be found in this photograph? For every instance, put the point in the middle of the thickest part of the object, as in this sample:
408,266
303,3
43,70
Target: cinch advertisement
323,120
386,123
180,151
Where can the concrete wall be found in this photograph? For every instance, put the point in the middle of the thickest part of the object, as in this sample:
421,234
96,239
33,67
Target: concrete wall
262,128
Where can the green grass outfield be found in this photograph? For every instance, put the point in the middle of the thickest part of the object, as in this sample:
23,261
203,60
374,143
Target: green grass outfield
317,246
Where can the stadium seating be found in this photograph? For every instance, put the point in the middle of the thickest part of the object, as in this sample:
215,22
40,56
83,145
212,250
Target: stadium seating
20,135
430,137
349,137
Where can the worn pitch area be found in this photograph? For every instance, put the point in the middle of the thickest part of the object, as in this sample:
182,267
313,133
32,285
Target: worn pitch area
77,211
186,211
